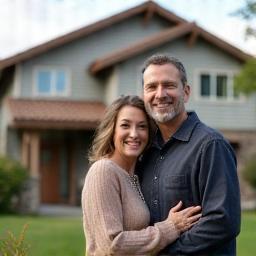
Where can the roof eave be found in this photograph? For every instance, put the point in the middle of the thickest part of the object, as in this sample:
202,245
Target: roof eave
144,45
69,37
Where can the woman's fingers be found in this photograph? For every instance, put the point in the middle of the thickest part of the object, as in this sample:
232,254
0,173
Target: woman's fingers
192,210
194,218
177,207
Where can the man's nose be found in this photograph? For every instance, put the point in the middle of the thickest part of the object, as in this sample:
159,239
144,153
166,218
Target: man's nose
160,92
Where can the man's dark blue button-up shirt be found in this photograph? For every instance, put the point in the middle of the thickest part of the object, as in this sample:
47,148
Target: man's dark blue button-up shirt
197,166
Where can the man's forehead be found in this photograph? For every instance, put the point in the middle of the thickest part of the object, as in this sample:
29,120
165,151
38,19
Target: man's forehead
162,72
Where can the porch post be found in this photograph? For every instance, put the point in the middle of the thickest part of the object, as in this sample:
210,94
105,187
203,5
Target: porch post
30,152
34,154
72,183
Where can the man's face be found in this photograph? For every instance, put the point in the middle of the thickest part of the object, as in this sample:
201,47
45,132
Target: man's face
164,93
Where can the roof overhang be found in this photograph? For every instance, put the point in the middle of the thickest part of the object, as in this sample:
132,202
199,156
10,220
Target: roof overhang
148,9
55,114
166,36
144,45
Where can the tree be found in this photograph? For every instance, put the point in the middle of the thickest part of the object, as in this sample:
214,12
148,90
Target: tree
248,13
245,81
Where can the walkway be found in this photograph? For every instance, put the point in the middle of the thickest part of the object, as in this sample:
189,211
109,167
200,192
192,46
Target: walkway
60,210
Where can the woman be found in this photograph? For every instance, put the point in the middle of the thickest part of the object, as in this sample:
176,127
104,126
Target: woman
115,215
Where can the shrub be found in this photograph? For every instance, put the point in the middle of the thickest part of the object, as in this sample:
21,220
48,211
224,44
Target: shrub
14,246
249,172
12,176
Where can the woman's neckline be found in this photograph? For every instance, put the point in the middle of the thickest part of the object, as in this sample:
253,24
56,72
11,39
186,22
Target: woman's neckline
121,168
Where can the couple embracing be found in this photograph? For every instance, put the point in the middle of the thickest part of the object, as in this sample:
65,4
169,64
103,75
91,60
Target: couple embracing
161,182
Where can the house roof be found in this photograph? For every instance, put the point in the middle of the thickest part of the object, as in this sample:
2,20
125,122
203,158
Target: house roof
148,9
55,114
146,44
162,37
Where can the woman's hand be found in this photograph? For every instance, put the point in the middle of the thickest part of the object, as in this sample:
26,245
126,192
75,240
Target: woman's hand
186,218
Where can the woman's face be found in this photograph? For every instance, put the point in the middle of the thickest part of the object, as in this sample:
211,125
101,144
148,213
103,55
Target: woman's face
131,133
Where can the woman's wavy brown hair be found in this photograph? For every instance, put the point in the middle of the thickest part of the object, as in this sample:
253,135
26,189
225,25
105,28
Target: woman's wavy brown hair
103,143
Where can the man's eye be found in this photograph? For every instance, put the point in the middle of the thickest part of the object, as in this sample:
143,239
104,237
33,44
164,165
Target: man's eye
170,85
150,87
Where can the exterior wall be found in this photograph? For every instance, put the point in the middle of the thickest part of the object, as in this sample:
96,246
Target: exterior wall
13,148
235,115
4,120
13,90
112,86
78,55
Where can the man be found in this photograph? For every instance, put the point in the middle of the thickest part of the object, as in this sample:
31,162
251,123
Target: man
188,161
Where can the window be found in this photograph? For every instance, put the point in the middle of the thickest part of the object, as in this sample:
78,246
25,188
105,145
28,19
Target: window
216,85
205,85
221,86
51,82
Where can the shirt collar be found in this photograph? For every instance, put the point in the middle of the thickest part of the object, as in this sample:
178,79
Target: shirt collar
184,132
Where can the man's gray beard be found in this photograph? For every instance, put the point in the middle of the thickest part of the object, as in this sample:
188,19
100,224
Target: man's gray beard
167,116
162,117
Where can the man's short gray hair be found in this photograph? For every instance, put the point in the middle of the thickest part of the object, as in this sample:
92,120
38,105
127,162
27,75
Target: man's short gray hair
161,59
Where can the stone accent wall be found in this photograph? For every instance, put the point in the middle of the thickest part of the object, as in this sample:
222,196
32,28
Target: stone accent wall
29,201
244,143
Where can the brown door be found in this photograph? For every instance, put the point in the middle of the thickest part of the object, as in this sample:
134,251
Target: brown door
50,173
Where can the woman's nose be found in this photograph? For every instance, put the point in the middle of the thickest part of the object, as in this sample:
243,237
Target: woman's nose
133,132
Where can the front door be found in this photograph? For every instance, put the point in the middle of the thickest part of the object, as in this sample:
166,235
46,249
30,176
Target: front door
50,173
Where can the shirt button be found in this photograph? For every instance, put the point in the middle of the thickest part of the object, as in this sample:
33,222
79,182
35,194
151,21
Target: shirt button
155,201
161,157
155,178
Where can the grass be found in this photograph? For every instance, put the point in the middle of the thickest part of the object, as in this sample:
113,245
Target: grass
47,235
246,243
64,236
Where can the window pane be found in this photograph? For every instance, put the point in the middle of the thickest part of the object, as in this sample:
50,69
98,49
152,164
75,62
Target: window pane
221,86
60,81
205,85
44,82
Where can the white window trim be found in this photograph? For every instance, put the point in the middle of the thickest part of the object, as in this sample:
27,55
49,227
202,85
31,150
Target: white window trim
52,69
213,97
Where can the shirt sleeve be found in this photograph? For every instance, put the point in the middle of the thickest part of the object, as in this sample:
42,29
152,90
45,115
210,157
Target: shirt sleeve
220,201
103,219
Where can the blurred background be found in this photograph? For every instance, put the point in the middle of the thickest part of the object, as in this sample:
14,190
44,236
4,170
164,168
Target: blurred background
63,61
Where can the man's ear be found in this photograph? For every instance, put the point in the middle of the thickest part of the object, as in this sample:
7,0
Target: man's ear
187,91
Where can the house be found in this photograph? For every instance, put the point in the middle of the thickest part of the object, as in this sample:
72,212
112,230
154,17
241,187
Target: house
53,96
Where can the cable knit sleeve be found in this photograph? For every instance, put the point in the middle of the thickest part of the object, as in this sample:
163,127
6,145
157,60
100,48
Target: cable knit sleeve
103,219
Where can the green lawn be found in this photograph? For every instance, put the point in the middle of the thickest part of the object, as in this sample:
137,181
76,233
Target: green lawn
64,236
48,235
246,243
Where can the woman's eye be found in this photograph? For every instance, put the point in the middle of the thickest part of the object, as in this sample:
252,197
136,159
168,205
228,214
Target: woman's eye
143,126
124,125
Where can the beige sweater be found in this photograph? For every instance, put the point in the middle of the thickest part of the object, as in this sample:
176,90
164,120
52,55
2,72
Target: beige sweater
116,219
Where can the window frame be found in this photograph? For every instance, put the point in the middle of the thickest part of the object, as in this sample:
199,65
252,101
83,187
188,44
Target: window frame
53,71
214,73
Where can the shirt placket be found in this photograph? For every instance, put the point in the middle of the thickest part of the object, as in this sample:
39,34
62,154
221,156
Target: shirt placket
155,203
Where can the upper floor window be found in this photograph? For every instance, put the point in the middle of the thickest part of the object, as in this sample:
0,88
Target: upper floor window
216,85
51,82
